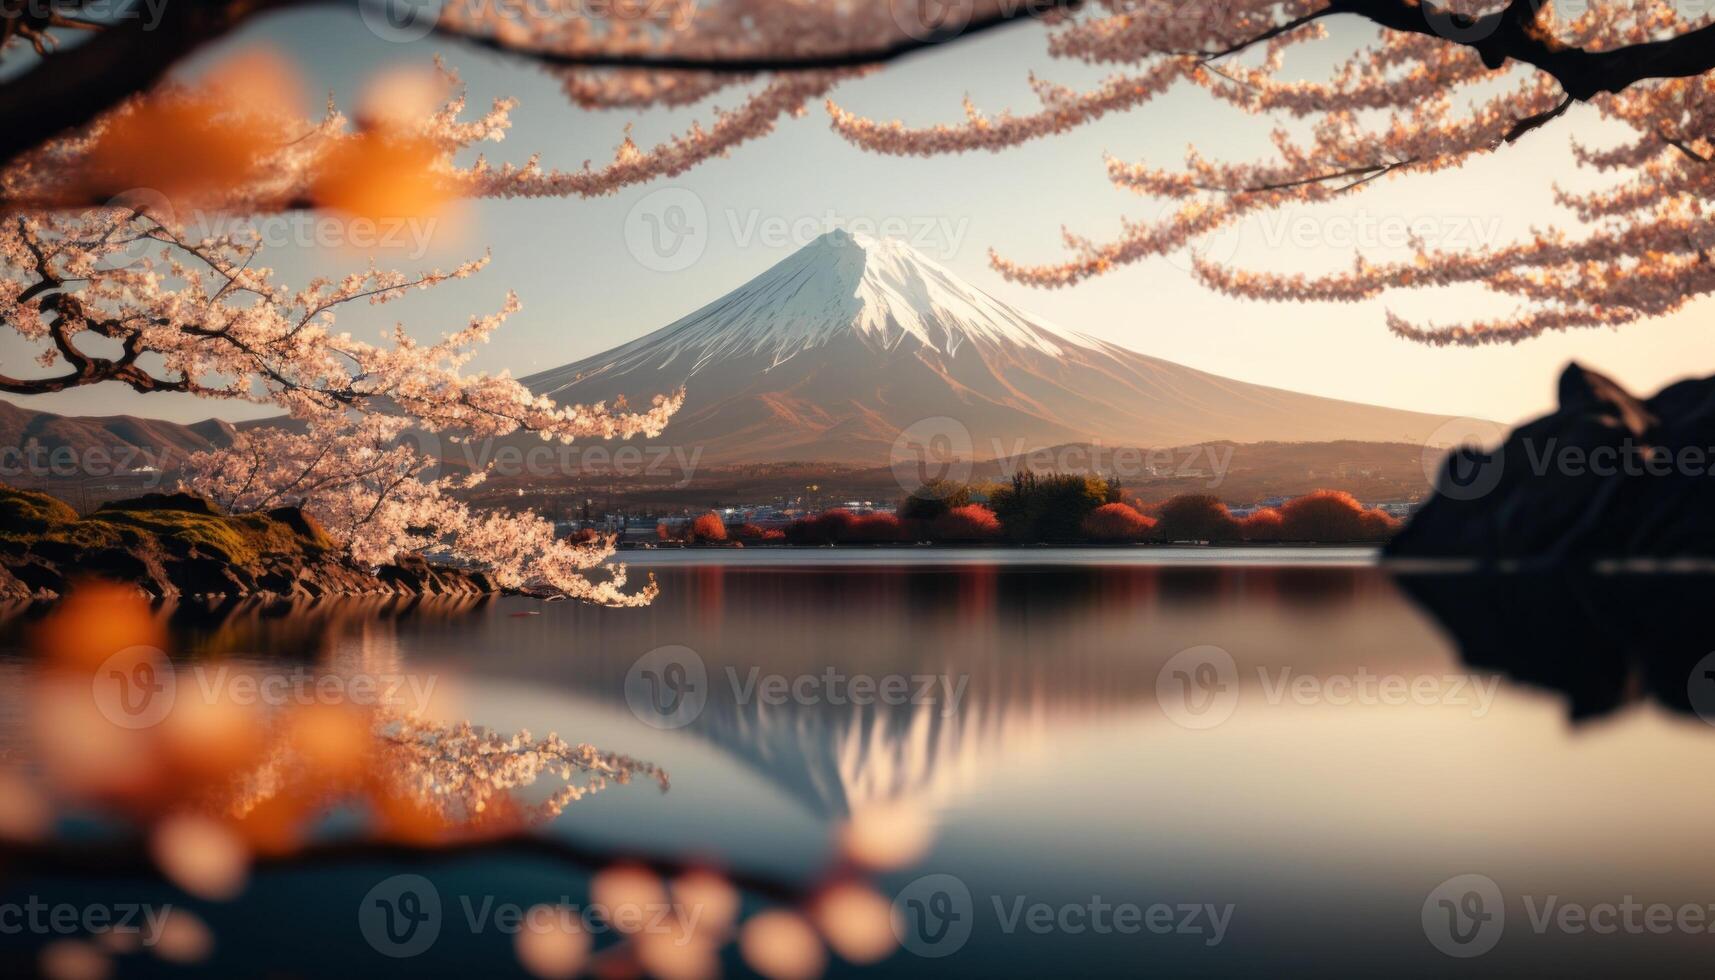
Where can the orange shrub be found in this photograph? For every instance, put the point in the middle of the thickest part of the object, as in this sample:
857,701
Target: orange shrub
708,528
1334,515
1263,524
1117,522
972,522
745,532
824,528
1197,517
875,529
1378,524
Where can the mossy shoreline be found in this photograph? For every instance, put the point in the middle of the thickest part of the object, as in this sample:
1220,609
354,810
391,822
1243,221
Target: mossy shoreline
177,544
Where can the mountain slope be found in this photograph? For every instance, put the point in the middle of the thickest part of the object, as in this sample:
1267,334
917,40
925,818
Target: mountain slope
21,427
832,352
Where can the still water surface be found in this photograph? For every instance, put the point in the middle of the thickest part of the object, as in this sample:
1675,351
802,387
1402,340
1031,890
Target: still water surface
1276,767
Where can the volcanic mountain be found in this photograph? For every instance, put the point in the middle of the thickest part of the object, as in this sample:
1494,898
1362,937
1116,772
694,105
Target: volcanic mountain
835,350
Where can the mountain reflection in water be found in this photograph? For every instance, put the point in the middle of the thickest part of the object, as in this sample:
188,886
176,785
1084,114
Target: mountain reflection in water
1045,761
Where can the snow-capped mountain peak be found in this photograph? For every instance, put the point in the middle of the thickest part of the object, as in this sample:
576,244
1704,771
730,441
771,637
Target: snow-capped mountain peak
833,351
844,284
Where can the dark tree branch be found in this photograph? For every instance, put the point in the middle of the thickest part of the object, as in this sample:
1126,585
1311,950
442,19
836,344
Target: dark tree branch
1536,120
831,61
70,88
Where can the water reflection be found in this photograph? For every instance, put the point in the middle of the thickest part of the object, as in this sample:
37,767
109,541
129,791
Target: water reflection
1603,641
1057,771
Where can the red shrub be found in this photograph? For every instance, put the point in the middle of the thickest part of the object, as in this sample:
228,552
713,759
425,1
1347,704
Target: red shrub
708,528
1325,515
773,534
663,532
1334,515
1117,522
1197,517
1378,524
1263,524
828,527
875,529
745,532
972,522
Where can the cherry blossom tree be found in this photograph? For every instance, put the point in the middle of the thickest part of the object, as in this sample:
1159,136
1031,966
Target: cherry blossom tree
1440,84
101,155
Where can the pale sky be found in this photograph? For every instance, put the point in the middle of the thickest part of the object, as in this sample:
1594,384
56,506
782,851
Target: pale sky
584,290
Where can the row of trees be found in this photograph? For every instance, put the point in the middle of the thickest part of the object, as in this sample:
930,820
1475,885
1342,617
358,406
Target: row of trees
1069,509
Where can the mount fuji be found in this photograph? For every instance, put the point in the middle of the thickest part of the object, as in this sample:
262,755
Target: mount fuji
831,353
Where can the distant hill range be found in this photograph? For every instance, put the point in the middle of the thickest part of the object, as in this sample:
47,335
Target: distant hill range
21,427
814,373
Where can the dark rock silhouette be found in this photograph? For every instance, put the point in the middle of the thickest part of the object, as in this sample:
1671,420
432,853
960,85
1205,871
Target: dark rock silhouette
1607,476
1603,641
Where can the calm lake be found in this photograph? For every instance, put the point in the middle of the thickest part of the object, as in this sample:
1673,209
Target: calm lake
1197,764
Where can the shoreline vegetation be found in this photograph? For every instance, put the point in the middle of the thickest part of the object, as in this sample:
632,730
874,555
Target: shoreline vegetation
1034,510
181,545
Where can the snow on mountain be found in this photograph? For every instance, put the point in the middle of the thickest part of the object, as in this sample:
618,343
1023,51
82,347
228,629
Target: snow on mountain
832,352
